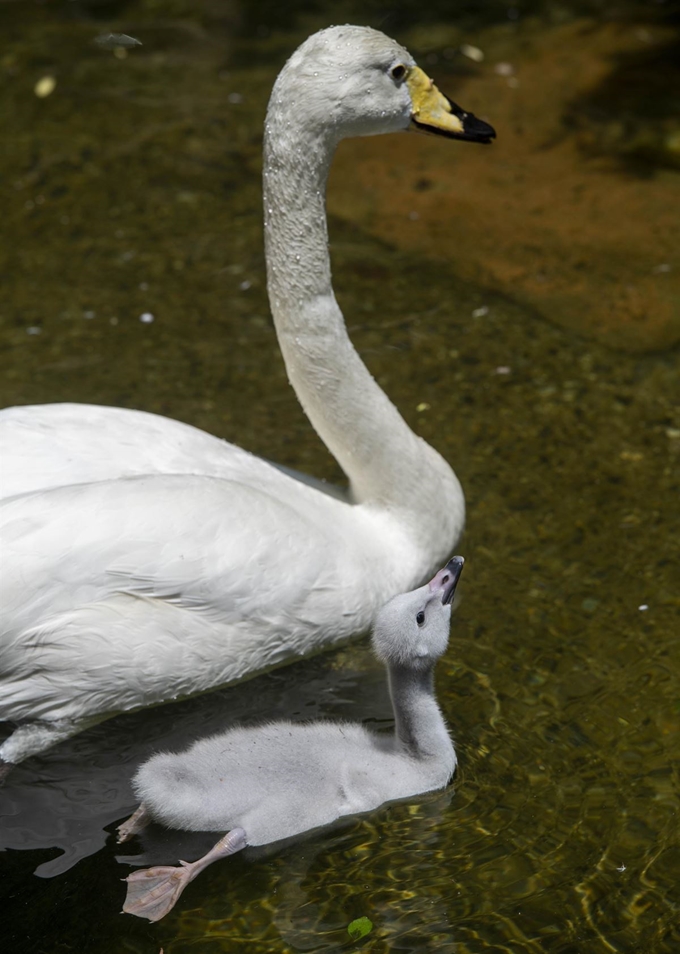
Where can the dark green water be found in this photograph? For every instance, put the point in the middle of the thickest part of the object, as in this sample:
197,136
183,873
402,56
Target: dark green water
134,188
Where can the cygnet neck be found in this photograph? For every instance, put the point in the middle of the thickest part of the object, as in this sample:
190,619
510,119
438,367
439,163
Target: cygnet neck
386,463
419,729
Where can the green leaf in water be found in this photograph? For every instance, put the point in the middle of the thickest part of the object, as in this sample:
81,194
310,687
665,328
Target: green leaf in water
359,928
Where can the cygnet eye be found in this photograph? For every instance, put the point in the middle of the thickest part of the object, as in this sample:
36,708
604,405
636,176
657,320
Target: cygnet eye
398,72
420,618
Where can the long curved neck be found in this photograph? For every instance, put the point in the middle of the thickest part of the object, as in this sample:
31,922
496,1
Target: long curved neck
386,463
419,725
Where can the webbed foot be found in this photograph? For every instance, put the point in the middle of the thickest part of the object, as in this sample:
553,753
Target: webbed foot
152,892
135,823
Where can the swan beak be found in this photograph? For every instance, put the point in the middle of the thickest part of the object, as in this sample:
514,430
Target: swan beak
433,112
446,580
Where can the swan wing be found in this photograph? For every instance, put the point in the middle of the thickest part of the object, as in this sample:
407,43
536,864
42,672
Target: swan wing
132,591
54,445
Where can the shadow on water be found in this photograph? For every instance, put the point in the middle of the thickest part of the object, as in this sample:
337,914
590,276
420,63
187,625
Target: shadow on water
133,189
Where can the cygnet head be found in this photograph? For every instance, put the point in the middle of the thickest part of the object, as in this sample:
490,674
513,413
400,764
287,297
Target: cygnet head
413,628
355,81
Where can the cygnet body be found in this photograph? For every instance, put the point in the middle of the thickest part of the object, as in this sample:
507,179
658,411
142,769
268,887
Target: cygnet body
277,780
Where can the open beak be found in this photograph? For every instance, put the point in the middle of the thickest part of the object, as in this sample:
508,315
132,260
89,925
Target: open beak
446,580
433,112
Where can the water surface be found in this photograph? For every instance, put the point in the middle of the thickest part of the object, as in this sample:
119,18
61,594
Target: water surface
133,189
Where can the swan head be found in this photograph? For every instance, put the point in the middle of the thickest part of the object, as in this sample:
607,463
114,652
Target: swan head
413,629
355,81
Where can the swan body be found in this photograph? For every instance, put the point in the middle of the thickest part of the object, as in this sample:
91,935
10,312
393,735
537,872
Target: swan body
143,559
275,781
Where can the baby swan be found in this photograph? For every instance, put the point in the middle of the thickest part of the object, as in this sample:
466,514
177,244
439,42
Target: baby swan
273,781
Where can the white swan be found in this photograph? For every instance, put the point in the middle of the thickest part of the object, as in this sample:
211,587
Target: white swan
145,560
274,781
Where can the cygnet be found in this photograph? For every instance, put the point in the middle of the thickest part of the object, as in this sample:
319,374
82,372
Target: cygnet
273,781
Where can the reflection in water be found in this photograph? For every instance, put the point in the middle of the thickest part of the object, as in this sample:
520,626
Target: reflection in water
68,797
133,188
406,908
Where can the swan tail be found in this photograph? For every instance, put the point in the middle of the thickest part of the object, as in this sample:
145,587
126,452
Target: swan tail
169,790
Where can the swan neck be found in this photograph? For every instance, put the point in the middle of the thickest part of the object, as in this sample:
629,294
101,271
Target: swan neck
420,728
295,174
385,462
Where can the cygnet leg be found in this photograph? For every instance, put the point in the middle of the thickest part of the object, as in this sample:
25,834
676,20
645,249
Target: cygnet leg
136,822
152,892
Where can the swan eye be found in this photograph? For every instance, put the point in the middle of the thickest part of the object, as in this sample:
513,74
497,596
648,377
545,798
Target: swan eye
420,618
398,72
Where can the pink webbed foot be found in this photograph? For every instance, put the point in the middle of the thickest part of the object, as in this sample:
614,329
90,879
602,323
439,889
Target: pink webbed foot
152,892
135,823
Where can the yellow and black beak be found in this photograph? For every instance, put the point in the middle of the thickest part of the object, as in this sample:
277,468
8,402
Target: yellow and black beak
433,112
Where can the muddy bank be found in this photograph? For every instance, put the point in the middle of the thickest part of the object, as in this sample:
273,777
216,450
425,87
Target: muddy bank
564,212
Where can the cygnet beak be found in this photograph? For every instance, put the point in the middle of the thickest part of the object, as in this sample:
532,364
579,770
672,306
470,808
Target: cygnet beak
433,112
446,580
